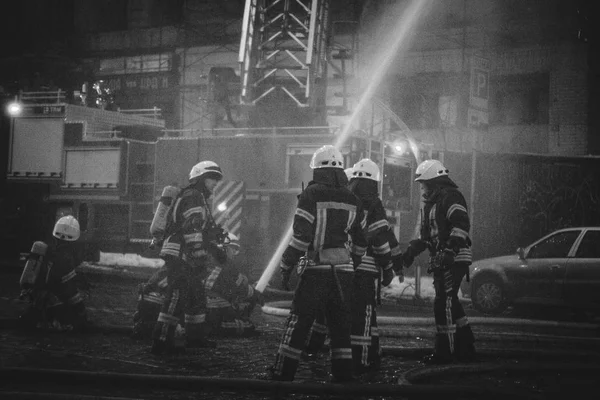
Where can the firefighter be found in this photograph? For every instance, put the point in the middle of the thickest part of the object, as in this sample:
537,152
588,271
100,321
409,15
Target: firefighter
444,232
191,245
318,331
327,215
375,270
49,282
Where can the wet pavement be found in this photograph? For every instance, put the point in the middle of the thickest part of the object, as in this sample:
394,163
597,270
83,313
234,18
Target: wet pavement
522,360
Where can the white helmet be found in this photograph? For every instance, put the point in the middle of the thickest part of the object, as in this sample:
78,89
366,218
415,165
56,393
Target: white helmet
327,157
367,169
430,169
349,172
208,168
66,228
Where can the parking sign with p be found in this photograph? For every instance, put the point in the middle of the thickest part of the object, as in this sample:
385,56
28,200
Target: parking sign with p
480,83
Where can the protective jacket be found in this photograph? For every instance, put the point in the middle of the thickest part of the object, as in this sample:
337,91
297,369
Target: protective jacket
445,222
377,228
326,216
191,221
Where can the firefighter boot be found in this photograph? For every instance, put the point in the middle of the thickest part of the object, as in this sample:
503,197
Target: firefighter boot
441,353
464,348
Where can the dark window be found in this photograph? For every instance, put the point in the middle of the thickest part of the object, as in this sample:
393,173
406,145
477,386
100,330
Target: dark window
519,99
419,100
556,246
589,246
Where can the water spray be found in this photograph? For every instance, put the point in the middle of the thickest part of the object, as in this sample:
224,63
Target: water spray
274,262
397,36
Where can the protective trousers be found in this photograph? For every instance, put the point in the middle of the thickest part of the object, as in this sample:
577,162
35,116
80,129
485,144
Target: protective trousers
317,334
454,338
185,296
365,336
318,289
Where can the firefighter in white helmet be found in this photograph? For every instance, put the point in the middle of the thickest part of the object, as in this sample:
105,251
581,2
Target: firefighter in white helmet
445,233
191,244
327,215
49,282
375,270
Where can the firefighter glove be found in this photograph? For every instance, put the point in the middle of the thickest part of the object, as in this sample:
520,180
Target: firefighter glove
448,258
397,264
218,252
407,259
388,276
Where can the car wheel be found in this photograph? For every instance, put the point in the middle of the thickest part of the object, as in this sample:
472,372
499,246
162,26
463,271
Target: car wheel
488,295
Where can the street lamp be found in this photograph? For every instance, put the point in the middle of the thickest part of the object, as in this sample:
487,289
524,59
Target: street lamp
14,109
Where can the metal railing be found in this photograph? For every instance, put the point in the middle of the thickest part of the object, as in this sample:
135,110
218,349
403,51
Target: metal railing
154,113
43,97
248,131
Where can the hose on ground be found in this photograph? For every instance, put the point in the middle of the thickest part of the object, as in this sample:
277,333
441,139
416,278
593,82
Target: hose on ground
281,309
210,383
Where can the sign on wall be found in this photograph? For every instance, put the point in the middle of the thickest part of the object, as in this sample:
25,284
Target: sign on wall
479,92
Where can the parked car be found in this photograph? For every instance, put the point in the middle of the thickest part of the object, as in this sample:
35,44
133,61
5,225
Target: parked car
562,268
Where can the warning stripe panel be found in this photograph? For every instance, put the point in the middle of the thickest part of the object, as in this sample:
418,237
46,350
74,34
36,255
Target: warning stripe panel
228,203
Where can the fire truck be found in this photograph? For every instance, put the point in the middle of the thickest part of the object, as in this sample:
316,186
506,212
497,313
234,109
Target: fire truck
109,167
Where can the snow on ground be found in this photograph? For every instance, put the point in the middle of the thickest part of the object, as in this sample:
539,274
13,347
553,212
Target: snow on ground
394,291
129,260
407,288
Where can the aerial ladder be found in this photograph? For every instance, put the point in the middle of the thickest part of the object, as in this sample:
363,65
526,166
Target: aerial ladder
283,52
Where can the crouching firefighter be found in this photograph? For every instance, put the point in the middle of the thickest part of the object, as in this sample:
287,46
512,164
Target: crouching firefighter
231,299
49,282
327,215
445,232
186,255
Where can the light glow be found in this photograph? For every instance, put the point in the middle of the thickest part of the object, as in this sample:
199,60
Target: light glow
14,109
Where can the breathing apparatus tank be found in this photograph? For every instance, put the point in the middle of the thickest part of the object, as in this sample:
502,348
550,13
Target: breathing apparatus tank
159,221
33,265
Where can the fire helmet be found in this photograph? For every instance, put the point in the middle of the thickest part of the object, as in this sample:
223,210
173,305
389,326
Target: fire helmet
366,169
430,169
206,169
66,228
327,157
